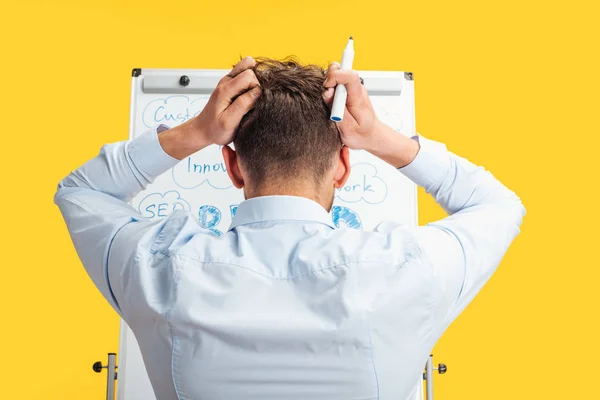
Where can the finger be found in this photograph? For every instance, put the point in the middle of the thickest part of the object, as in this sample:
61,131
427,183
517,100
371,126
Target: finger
243,82
349,121
244,64
348,125
328,96
348,78
333,66
343,76
244,103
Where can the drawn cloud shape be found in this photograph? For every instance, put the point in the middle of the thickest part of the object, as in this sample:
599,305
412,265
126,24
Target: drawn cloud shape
363,185
206,166
159,205
172,110
390,115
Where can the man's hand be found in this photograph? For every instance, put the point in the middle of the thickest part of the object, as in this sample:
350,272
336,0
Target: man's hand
361,129
358,127
233,97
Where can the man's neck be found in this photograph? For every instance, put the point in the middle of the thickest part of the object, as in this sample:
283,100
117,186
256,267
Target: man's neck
297,191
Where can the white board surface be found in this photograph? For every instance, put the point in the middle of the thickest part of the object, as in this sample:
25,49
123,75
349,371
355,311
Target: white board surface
374,192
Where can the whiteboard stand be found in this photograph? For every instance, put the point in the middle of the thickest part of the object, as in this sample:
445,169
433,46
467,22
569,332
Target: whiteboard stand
111,374
428,376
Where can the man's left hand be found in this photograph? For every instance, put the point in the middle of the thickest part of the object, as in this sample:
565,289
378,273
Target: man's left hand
233,97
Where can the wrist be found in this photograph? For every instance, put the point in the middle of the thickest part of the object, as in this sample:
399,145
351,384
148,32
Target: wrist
380,139
183,140
393,147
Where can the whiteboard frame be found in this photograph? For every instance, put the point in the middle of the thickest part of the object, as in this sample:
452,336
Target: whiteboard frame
203,81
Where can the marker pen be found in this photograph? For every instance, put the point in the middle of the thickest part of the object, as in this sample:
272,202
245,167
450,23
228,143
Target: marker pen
339,98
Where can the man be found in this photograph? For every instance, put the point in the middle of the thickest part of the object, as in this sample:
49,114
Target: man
284,305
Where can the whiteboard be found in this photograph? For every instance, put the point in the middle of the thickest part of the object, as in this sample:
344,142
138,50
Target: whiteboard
374,192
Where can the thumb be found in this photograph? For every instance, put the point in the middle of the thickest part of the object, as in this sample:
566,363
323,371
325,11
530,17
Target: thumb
348,124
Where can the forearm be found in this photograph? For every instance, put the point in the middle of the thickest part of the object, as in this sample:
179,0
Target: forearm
453,181
106,231
123,169
393,148
93,199
183,140
464,248
456,183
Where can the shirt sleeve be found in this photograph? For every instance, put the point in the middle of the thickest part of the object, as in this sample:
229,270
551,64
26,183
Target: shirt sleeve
93,201
465,248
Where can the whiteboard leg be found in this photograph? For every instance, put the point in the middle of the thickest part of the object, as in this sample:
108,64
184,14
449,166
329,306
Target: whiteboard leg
111,376
428,375
429,378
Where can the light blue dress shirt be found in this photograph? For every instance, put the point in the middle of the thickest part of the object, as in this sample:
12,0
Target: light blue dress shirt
285,305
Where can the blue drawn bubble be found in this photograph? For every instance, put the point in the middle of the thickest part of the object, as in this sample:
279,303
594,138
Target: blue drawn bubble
172,110
390,114
206,166
160,205
363,185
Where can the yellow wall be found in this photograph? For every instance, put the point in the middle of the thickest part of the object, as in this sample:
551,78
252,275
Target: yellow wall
512,85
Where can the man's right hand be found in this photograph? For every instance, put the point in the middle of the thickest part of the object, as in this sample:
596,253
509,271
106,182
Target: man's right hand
359,124
361,129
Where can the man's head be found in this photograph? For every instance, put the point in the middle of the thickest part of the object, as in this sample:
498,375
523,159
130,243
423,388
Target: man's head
287,144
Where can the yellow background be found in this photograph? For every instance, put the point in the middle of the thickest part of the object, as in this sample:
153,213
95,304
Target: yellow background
512,85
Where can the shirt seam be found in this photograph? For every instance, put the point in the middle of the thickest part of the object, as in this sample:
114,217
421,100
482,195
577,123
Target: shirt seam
106,266
202,261
170,324
464,282
372,353
258,221
276,277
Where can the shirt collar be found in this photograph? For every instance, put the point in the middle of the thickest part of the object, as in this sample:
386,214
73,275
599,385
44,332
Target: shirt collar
280,208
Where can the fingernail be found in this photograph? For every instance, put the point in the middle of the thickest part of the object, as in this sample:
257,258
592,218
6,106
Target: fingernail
328,93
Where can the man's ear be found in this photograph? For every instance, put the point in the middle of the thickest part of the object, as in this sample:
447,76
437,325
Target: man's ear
233,168
343,168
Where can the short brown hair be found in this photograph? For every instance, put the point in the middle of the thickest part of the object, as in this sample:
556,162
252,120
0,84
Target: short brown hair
288,133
